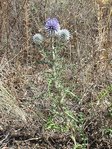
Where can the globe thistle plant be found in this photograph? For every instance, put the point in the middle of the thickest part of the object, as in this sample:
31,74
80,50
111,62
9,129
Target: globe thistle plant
57,91
52,26
63,34
38,38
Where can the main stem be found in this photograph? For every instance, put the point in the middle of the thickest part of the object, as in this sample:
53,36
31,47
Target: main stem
54,56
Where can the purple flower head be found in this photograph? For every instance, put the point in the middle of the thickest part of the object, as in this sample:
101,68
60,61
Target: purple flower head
52,25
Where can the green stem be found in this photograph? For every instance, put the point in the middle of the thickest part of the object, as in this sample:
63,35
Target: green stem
54,56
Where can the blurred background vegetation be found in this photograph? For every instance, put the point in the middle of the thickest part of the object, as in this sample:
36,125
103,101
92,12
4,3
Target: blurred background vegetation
26,114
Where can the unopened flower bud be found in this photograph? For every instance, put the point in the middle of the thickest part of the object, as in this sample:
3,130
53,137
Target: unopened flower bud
63,34
38,38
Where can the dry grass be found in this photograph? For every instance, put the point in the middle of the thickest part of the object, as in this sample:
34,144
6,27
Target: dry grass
90,52
9,104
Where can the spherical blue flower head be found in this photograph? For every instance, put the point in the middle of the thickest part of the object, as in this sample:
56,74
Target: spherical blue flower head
52,26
